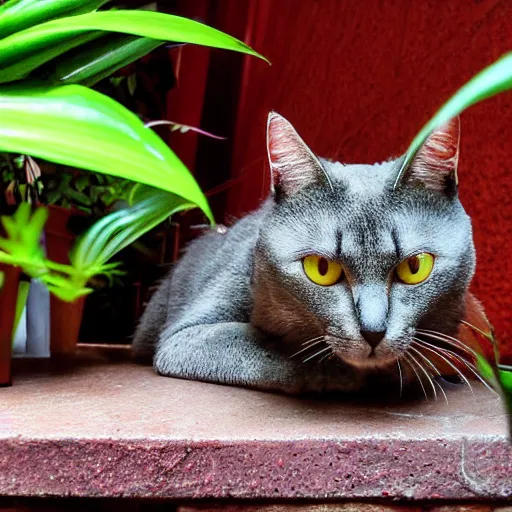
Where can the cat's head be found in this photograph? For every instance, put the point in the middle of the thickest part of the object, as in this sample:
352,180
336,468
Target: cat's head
349,253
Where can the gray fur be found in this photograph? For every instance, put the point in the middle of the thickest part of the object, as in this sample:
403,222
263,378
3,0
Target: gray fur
238,304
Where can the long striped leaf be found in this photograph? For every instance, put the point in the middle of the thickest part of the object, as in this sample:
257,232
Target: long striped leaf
77,126
99,59
17,69
119,229
17,15
21,46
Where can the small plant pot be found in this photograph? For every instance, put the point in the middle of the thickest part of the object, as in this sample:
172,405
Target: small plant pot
8,298
65,317
65,321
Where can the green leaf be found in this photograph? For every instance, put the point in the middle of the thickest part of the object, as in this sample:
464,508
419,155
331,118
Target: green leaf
132,84
82,182
78,198
17,15
491,81
53,196
18,68
22,247
64,287
21,48
117,230
67,294
486,371
93,132
116,80
98,59
506,379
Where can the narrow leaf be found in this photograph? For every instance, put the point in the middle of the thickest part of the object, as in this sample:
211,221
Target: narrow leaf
491,81
17,15
117,230
506,379
18,67
93,132
132,84
164,27
92,62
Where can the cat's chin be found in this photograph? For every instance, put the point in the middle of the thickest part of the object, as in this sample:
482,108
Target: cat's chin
367,363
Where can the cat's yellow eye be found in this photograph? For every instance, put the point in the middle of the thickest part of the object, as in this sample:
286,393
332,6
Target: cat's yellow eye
321,270
416,269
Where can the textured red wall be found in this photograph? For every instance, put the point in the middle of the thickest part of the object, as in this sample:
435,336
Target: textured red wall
358,78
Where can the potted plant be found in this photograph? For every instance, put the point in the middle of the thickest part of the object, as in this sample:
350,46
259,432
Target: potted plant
49,111
70,195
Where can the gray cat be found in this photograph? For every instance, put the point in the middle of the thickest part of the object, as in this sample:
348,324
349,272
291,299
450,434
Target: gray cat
329,282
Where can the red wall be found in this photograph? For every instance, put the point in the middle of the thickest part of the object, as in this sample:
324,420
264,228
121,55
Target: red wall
358,78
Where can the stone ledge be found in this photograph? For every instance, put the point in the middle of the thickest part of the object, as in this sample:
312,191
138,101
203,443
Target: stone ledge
346,507
102,426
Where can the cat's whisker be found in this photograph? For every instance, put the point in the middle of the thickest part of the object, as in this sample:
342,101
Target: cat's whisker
313,342
442,391
325,357
312,339
401,377
450,340
316,354
429,378
471,367
489,337
406,357
434,367
453,354
428,346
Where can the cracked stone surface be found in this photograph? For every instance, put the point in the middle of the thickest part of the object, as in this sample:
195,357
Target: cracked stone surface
102,426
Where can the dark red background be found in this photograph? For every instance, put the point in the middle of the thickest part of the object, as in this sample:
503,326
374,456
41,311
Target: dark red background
358,79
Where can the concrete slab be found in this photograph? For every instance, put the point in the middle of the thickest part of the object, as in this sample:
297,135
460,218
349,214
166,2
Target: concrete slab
101,425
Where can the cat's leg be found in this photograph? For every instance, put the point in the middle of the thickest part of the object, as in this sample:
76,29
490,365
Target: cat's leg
233,353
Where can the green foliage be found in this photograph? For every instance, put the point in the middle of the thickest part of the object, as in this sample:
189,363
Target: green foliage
17,15
505,374
50,52
498,376
119,229
101,58
93,132
7,171
22,246
89,192
26,50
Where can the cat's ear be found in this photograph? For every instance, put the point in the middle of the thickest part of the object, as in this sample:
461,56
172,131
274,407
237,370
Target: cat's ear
292,164
435,165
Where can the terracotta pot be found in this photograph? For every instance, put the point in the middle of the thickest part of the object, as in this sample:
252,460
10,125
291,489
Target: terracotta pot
8,296
65,317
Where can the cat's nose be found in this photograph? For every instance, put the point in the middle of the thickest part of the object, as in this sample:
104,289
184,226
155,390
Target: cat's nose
371,301
373,338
